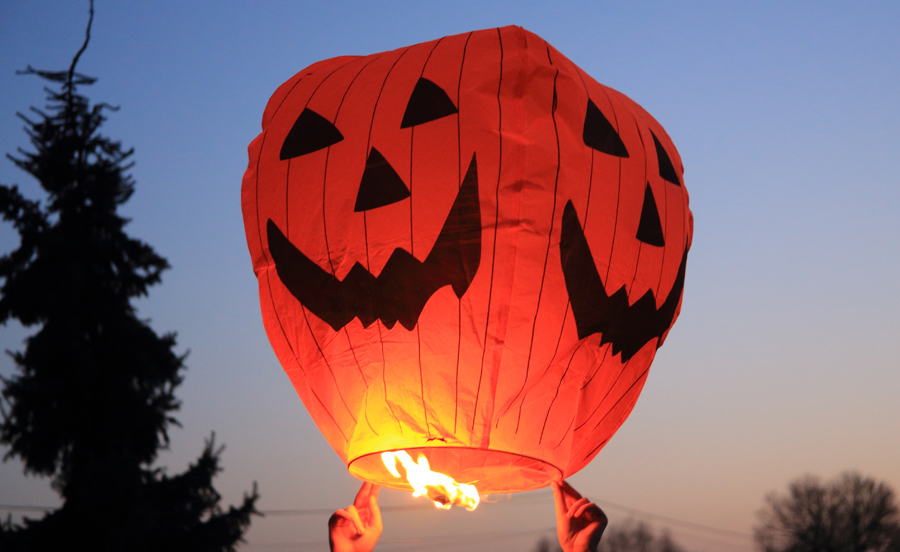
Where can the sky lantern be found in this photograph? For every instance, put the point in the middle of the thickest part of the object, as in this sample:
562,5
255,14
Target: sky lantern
468,253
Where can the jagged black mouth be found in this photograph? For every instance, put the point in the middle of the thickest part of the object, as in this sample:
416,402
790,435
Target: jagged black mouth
399,293
627,327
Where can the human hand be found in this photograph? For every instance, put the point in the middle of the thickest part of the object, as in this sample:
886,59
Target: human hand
357,527
579,523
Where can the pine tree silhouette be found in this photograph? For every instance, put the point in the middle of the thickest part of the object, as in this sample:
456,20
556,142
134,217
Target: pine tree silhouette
94,391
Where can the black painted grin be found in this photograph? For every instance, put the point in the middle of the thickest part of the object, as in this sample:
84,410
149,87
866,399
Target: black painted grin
399,293
627,327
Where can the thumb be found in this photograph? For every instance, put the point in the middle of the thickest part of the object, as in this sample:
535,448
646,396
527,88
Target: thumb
559,500
376,511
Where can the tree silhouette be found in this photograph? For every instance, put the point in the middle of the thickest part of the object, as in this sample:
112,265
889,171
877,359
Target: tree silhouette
852,513
627,537
94,391
637,538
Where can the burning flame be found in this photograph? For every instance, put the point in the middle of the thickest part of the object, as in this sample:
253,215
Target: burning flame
440,488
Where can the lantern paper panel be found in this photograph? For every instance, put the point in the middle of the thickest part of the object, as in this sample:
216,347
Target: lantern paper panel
468,249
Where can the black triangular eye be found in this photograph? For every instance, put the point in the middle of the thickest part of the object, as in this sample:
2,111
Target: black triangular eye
311,132
427,103
380,185
600,135
650,229
666,170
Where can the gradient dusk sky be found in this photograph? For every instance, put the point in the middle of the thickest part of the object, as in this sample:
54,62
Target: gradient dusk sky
785,358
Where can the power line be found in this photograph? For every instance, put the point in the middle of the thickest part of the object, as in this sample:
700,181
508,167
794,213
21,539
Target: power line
424,506
692,525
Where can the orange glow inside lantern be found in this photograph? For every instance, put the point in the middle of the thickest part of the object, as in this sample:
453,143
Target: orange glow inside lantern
469,250
443,490
487,471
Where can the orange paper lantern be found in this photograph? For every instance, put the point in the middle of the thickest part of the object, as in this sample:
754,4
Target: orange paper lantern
467,249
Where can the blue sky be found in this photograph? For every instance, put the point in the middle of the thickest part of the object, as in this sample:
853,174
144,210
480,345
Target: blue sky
784,361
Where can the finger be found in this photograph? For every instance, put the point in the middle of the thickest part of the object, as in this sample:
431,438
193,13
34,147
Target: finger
574,508
338,516
362,497
374,492
584,507
353,516
601,515
558,499
570,490
374,509
335,519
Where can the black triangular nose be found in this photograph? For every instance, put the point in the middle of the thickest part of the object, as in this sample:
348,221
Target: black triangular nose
650,229
380,185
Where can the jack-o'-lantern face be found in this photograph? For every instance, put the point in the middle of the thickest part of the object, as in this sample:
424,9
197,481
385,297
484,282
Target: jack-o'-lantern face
468,248
404,284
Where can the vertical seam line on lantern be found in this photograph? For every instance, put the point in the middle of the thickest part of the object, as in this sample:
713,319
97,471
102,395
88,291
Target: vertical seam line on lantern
272,298
549,364
587,207
627,391
325,170
642,376
327,411
328,365
595,449
287,205
487,319
366,233
684,227
366,412
258,223
459,177
556,394
587,211
546,259
324,183
287,185
284,99
287,226
621,419
412,242
662,264
262,248
608,391
566,432
637,262
612,245
268,279
584,227
566,312
287,229
605,353
494,245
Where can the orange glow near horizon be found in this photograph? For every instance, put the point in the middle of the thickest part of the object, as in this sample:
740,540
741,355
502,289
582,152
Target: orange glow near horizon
440,488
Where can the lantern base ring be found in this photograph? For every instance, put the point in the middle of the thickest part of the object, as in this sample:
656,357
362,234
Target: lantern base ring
491,471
